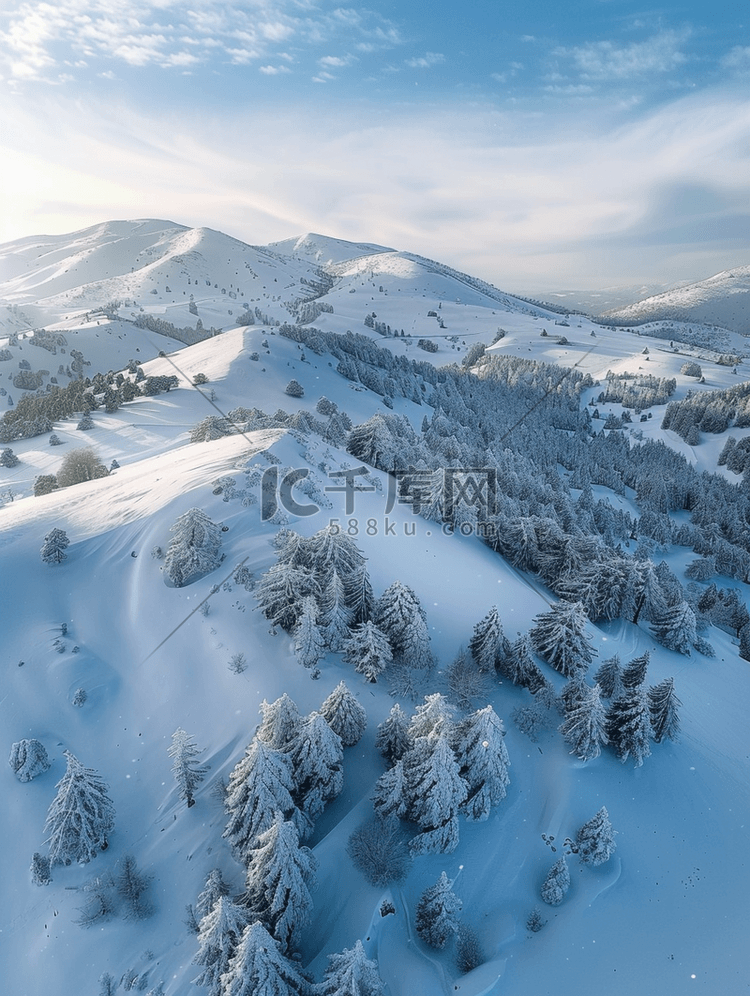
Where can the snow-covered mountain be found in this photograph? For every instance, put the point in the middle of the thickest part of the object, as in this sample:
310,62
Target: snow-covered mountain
723,300
316,385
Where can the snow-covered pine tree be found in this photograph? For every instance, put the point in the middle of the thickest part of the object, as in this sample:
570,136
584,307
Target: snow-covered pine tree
359,595
53,549
281,720
309,645
219,935
132,886
559,636
488,642
187,772
634,673
609,677
345,715
280,592
557,882
435,715
212,891
438,911
316,756
351,973
435,791
596,839
194,548
260,785
392,738
400,616
518,665
390,797
465,680
650,602
368,650
279,877
81,815
335,614
259,968
675,628
629,726
479,744
663,706
574,692
585,725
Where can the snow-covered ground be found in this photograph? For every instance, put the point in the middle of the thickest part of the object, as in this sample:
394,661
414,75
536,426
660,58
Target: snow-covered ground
665,915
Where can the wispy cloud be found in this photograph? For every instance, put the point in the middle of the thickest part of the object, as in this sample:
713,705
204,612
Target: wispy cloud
38,37
608,60
517,199
426,61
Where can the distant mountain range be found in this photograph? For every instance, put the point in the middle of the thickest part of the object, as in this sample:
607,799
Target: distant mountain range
723,300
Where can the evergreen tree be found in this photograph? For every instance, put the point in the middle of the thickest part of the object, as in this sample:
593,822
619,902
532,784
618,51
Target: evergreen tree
351,973
40,869
518,665
316,756
344,715
390,795
368,650
629,725
609,677
438,910
132,886
634,673
53,549
359,595
559,636
596,839
488,642
260,785
434,790
401,617
675,629
219,934
557,883
309,645
649,593
662,706
392,738
194,547
259,968
280,592
187,772
279,877
479,744
434,716
81,816
213,890
281,720
585,726
465,680
335,614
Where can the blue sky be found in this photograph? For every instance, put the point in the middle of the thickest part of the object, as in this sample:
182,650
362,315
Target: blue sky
584,144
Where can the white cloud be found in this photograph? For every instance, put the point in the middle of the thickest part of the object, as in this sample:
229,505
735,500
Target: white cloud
336,61
426,61
36,34
273,70
606,60
737,59
518,199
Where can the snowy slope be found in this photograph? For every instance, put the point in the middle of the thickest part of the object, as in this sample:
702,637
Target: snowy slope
723,299
665,914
